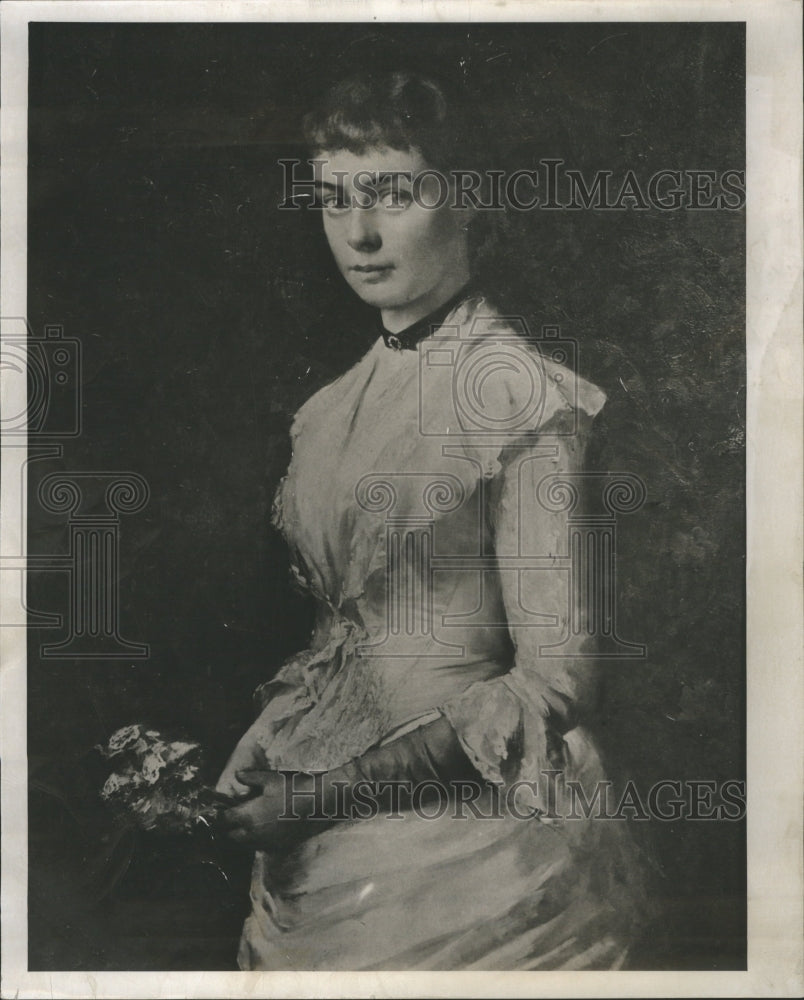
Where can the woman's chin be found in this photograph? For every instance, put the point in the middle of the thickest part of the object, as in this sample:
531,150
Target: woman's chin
377,293
378,298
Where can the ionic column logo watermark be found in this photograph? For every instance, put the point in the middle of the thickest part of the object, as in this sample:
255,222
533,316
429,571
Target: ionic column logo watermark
592,547
409,554
93,561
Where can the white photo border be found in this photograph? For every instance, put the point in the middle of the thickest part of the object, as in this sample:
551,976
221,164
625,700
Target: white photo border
775,680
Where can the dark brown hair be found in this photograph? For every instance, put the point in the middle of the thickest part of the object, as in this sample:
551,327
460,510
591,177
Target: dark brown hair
398,110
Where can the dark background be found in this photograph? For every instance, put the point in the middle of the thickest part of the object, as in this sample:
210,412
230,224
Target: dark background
206,317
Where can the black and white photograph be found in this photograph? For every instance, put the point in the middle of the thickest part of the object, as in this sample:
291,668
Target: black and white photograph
379,506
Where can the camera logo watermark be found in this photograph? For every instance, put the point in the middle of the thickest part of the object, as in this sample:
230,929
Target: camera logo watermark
496,374
51,367
42,375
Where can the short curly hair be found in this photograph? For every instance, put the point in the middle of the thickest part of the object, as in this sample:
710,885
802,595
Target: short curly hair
398,110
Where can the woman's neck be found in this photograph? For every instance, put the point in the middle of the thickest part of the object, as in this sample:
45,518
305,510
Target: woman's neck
400,318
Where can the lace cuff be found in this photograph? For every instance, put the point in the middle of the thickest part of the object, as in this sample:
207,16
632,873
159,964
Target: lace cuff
503,733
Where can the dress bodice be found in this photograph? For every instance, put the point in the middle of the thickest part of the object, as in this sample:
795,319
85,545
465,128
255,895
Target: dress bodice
391,510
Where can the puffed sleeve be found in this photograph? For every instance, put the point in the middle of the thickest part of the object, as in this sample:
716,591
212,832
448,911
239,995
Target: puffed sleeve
505,724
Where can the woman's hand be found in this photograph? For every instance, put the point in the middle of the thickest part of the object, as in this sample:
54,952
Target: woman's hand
263,822
431,754
247,756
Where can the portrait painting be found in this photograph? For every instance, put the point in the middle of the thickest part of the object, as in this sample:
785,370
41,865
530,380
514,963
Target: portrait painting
379,563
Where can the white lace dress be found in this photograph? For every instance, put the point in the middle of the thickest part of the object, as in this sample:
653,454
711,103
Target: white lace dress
414,508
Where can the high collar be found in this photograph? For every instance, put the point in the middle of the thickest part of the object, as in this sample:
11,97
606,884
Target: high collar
407,339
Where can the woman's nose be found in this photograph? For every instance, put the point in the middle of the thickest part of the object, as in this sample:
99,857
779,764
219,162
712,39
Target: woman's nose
363,234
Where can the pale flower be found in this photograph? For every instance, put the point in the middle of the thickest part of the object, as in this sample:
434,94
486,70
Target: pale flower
123,738
177,749
152,765
114,783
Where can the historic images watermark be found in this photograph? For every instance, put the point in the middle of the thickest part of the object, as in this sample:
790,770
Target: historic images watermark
93,502
552,798
552,186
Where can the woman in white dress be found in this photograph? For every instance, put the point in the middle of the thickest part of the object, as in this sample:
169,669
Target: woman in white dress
421,512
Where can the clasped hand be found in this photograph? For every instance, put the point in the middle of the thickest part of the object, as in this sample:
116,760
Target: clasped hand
260,820
257,816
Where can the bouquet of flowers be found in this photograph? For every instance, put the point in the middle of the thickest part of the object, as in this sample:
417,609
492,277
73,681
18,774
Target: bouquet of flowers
156,783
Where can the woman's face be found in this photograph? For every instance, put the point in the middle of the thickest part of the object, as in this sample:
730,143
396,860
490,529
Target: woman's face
397,253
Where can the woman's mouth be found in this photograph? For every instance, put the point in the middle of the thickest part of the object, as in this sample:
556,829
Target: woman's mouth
372,272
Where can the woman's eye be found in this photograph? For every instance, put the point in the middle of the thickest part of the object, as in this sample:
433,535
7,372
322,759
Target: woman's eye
397,200
334,203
